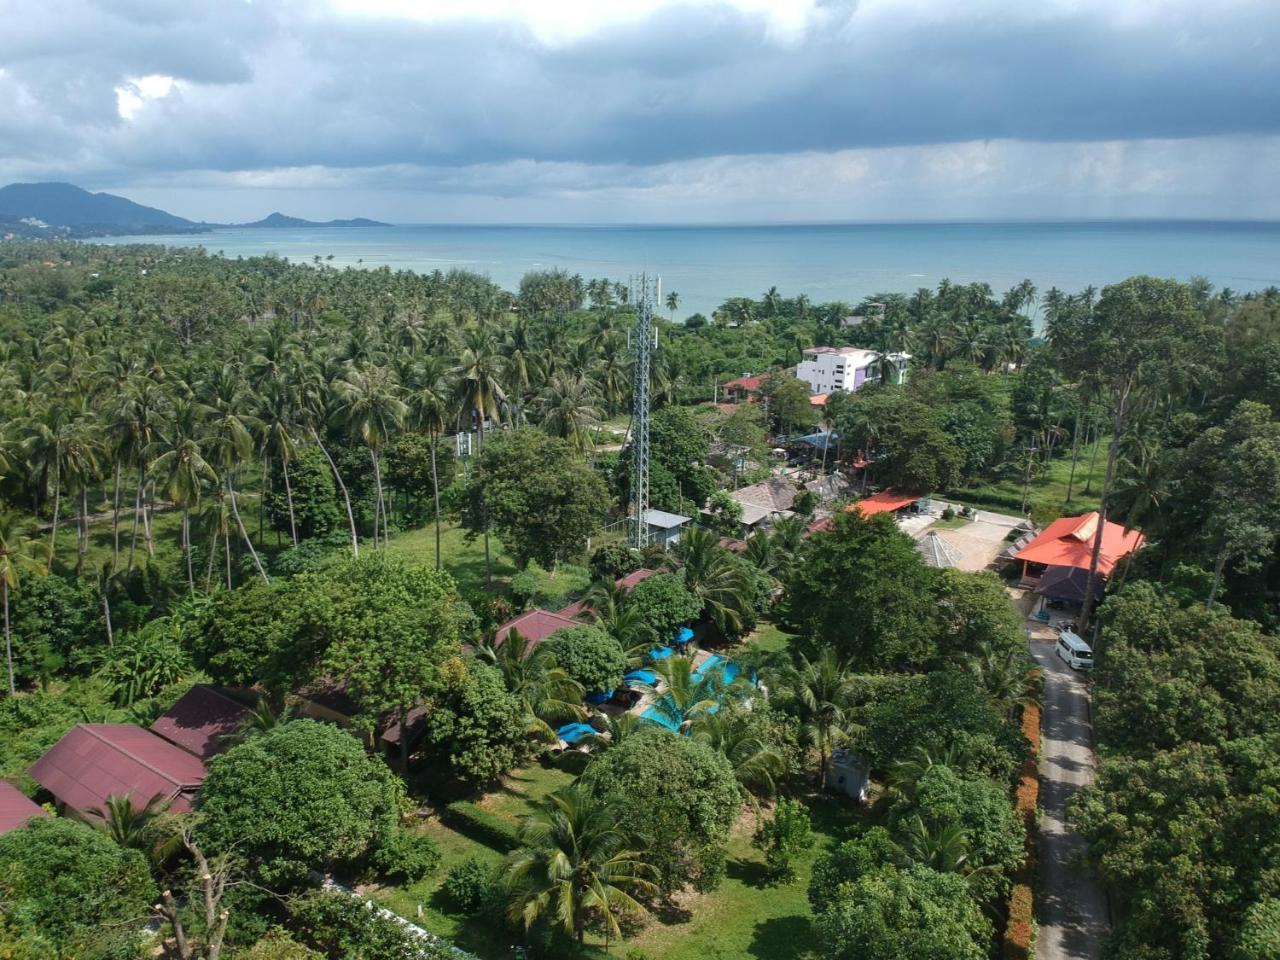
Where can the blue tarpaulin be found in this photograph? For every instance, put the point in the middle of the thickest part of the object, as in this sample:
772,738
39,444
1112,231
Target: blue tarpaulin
819,440
660,653
575,732
647,677
684,635
599,697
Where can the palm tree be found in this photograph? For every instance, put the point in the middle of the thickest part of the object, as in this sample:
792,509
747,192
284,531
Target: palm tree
574,864
824,690
276,424
184,471
944,848
17,556
369,406
683,695
756,764
428,402
315,396
262,718
569,411
905,774
482,398
673,303
549,694
713,576
1011,680
230,438
607,608
127,825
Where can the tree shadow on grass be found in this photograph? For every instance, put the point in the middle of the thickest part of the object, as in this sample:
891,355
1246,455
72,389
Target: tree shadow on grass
749,872
783,938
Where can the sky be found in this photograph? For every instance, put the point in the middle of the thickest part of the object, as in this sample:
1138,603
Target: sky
650,110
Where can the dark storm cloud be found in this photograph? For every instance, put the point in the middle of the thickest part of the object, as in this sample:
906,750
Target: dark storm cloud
265,86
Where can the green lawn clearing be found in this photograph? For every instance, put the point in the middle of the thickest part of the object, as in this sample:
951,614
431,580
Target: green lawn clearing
1047,494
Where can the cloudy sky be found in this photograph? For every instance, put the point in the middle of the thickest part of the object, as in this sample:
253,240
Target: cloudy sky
648,110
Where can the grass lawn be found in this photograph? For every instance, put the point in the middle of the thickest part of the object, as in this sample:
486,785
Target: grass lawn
746,916
955,523
1047,496
768,637
463,558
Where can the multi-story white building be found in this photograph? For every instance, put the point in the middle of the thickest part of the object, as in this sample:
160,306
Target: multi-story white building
828,369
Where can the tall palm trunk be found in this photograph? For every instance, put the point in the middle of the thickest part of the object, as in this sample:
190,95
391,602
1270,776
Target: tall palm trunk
82,533
106,617
346,497
288,499
1075,453
186,547
484,514
8,639
1117,431
133,540
115,520
147,508
380,505
435,494
57,505
235,510
1093,458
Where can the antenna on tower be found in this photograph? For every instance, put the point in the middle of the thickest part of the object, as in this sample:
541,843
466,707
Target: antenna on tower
645,294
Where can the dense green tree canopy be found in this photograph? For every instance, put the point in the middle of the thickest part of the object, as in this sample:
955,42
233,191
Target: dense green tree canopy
915,914
302,795
543,501
863,589
676,793
475,726
70,890
589,655
663,603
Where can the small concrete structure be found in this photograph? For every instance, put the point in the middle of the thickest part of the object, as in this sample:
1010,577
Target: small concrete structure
664,528
849,774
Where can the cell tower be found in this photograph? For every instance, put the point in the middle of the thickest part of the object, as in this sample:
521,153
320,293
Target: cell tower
646,293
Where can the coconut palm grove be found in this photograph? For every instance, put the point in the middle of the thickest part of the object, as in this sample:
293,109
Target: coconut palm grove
328,633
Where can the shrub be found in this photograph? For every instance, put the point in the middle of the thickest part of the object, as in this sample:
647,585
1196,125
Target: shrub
406,857
344,926
782,838
663,603
470,884
949,513
465,817
1017,932
613,561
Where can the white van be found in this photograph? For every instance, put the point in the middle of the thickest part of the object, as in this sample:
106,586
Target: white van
1074,651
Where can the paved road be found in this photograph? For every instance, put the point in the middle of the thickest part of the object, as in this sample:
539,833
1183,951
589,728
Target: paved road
1070,907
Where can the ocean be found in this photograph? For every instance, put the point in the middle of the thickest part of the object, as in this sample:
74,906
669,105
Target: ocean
705,265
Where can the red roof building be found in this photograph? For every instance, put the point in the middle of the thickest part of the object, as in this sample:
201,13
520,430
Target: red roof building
883,502
535,626
201,721
1068,542
627,583
744,385
16,808
99,760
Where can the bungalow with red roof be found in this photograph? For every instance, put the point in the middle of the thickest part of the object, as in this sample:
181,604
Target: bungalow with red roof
202,721
94,761
1068,542
743,388
16,808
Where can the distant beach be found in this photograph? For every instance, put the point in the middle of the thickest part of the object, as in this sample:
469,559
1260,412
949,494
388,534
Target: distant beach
707,264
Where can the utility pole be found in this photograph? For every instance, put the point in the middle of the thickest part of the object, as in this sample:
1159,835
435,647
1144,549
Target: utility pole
646,293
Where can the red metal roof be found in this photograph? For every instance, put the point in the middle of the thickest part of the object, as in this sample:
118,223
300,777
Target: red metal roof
201,721
16,808
97,760
750,384
1068,542
535,626
632,579
882,502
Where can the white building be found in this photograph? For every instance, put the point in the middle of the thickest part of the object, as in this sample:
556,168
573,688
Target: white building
828,369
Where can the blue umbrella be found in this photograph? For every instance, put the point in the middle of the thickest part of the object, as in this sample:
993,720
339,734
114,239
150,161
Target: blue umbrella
684,635
647,677
660,653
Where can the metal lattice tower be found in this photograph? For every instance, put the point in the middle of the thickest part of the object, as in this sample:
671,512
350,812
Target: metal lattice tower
646,292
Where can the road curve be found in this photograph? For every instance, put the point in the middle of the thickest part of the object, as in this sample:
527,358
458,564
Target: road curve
1071,911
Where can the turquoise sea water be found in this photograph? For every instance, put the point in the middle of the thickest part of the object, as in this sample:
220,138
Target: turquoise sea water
707,264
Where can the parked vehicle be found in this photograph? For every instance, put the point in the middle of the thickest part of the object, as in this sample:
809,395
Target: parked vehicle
1077,654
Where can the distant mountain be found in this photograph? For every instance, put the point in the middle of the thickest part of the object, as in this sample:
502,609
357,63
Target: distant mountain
280,220
66,205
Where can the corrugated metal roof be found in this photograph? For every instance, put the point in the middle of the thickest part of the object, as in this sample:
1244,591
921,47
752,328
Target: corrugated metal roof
1068,542
94,761
664,520
201,721
16,808
535,626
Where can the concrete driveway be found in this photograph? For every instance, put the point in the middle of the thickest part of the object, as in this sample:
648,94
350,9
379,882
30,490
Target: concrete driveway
1070,908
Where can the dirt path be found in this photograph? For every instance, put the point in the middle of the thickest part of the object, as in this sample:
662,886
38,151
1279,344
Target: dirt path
1070,908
